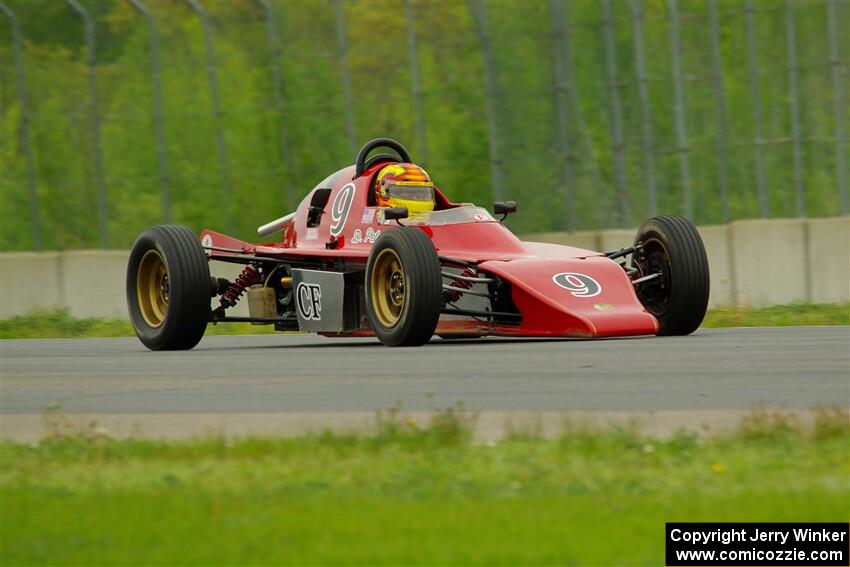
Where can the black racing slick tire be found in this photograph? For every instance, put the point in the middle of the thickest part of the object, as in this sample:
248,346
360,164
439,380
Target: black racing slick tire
168,288
671,246
403,287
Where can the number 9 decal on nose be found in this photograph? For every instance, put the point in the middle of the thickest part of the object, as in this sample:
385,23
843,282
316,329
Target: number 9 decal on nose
580,285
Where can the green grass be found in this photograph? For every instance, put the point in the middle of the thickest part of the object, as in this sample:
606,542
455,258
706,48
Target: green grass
408,495
58,324
779,316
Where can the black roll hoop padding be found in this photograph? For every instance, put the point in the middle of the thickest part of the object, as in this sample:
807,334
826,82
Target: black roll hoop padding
379,143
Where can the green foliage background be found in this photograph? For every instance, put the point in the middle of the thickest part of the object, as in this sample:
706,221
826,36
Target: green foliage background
450,61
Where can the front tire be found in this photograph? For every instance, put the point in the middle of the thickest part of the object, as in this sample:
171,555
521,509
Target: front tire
168,288
679,297
403,287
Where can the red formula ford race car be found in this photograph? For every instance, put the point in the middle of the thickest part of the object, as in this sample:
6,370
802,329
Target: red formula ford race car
376,249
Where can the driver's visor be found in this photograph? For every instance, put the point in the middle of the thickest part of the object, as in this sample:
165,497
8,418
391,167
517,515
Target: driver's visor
412,192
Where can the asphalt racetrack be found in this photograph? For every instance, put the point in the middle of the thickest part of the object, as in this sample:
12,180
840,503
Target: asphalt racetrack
790,368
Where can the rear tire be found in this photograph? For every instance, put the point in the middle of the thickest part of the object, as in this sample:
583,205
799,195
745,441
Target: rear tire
168,288
679,297
403,287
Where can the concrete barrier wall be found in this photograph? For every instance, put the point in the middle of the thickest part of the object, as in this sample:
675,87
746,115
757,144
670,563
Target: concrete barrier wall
30,280
828,260
753,263
93,282
769,260
87,283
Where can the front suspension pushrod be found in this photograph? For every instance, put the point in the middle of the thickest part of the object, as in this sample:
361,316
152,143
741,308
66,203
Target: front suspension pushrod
620,253
452,276
464,290
646,278
471,313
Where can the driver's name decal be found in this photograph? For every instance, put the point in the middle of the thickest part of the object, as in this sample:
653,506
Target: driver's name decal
370,237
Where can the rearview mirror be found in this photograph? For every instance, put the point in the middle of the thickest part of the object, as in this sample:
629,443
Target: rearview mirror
504,208
396,213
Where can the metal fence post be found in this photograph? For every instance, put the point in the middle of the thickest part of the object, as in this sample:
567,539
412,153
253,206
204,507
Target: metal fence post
103,221
415,83
617,145
479,14
720,109
839,108
277,82
754,88
679,110
26,141
646,109
560,51
799,197
158,115
342,43
216,102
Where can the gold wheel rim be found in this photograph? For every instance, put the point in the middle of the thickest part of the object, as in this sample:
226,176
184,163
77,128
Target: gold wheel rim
388,288
152,288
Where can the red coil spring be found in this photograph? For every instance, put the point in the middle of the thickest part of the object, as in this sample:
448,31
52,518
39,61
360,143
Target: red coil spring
249,276
468,272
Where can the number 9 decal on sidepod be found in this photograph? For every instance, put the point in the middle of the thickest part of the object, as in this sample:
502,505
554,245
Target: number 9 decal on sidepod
340,208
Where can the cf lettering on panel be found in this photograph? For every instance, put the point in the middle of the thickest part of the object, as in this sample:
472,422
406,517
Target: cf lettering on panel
309,299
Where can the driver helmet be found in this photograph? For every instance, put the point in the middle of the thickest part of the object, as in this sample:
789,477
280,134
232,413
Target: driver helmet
405,185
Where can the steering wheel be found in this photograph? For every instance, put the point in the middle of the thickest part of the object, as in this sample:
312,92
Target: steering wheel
363,164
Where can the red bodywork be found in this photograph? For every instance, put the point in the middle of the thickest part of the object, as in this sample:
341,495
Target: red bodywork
547,308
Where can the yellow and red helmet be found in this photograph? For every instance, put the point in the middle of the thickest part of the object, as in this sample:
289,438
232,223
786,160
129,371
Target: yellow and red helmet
405,185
